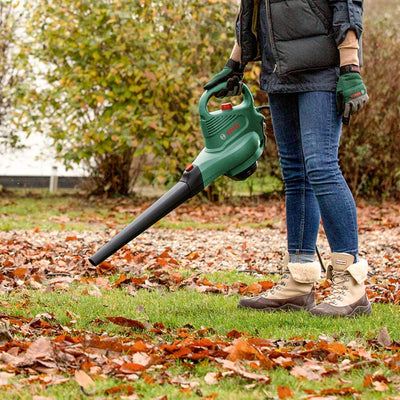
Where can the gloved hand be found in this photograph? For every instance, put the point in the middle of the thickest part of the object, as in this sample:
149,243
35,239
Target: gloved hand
233,75
351,93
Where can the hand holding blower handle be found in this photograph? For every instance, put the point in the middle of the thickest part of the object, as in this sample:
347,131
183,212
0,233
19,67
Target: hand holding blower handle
232,74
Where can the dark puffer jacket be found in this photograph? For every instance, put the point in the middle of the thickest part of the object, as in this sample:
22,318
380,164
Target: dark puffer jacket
303,34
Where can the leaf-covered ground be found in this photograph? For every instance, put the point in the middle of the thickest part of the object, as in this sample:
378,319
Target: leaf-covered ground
40,349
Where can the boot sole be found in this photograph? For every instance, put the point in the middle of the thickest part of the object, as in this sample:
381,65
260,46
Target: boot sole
285,307
361,310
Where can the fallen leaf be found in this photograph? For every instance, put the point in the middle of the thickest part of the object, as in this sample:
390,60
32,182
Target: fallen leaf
380,386
126,322
212,378
285,392
40,349
83,379
230,365
254,288
71,238
344,391
131,368
241,350
384,338
125,389
300,372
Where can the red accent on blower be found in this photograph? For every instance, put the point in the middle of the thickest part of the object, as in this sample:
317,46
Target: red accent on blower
226,106
189,167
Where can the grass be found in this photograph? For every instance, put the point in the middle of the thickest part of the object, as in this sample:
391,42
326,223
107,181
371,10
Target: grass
70,210
256,185
182,307
173,309
176,309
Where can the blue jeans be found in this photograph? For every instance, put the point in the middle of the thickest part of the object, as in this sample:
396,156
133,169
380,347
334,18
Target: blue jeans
307,131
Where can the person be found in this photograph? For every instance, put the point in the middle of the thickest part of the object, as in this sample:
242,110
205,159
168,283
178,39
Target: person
310,53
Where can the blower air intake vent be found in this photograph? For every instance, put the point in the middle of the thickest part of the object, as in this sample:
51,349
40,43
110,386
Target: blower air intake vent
218,124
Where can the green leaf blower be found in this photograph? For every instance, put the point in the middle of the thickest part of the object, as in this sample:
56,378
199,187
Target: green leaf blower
234,139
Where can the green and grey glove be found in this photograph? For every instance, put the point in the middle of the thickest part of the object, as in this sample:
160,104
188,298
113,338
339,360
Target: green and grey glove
351,93
233,75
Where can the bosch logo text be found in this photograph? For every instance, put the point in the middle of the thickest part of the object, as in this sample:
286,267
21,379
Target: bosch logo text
233,129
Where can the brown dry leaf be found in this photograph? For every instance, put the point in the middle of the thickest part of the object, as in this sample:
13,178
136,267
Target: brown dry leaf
266,285
234,334
131,368
122,321
368,380
122,279
41,348
239,370
211,396
384,338
123,389
337,348
322,398
20,272
300,372
212,378
183,383
4,377
142,359
285,392
380,386
71,238
254,288
344,391
241,350
83,379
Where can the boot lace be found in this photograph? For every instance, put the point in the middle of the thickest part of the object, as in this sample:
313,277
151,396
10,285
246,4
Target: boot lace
339,287
279,285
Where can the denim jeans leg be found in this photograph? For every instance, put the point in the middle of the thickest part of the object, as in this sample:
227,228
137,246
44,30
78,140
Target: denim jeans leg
302,211
320,131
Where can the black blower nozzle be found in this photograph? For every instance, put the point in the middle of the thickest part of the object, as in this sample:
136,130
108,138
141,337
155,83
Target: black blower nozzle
189,185
234,138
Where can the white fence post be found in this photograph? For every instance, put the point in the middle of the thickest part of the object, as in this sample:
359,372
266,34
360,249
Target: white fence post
53,180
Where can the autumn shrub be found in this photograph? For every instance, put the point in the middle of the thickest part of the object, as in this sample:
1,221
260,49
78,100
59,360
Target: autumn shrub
370,153
121,79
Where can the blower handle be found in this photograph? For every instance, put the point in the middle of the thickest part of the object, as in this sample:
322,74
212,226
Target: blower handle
248,101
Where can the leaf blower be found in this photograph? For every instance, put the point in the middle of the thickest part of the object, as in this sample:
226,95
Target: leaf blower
234,141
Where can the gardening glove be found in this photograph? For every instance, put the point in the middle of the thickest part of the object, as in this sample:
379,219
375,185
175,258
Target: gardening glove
351,93
233,75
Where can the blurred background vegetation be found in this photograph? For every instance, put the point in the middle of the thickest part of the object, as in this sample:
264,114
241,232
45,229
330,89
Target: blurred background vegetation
116,84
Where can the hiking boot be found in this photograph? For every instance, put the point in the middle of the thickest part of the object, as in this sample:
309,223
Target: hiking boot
348,297
294,291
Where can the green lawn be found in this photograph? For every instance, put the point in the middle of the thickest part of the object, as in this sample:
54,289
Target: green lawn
196,311
71,210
